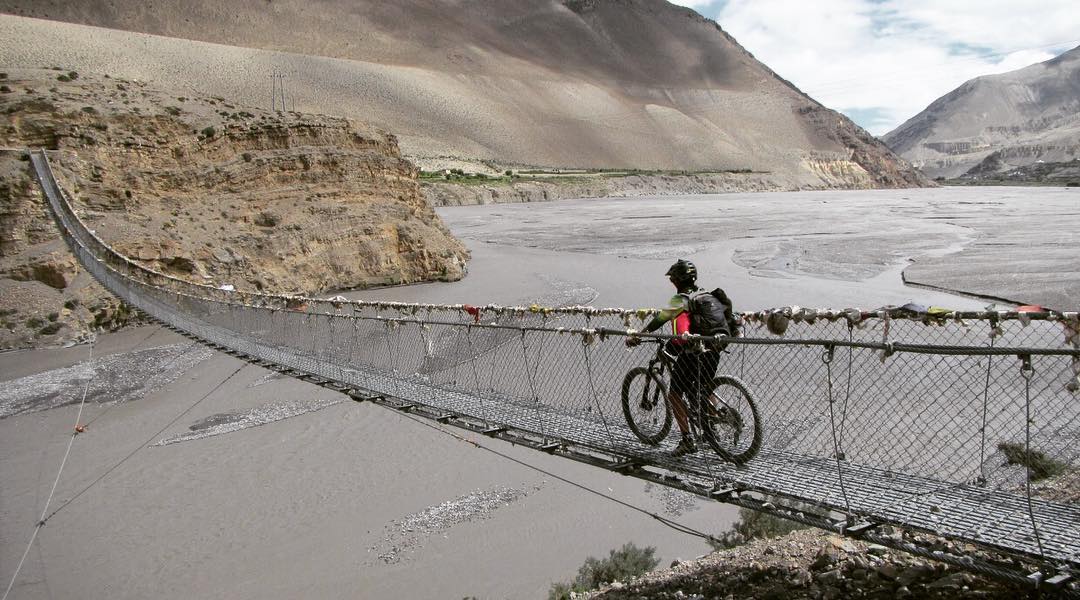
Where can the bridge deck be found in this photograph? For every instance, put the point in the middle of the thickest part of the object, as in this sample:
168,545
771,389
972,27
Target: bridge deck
993,518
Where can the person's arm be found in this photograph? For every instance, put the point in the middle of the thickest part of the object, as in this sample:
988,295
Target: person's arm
676,306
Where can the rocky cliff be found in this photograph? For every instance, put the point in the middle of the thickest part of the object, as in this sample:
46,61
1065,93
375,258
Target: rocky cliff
205,190
992,127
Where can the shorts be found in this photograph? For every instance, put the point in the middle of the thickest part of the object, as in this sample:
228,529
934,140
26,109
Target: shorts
693,371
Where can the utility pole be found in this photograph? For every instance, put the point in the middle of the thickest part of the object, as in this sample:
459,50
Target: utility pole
277,86
281,86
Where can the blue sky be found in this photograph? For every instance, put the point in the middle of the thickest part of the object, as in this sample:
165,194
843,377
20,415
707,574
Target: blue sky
882,61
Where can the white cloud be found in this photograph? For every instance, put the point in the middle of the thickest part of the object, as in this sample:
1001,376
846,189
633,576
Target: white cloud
883,61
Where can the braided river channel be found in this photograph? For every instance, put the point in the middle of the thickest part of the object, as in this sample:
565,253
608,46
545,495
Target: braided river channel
268,487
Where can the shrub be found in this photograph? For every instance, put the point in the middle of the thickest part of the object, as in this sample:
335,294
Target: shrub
1073,184
89,110
172,110
508,173
208,132
34,323
624,563
5,89
1041,465
247,156
73,75
754,525
50,329
53,317
63,78
71,304
3,75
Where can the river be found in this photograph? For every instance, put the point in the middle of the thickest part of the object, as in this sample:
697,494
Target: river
330,498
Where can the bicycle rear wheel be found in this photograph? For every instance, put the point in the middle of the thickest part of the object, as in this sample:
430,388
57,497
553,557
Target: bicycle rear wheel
730,420
645,406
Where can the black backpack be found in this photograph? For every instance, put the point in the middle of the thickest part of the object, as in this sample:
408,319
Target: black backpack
711,314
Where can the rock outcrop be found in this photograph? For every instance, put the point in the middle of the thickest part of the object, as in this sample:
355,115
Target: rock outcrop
205,190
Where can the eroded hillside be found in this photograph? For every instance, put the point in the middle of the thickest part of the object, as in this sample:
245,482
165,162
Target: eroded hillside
483,85
1020,126
205,190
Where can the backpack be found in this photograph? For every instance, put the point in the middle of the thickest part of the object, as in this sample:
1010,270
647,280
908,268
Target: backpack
711,314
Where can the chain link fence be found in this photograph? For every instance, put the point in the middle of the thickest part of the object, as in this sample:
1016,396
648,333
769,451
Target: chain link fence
908,416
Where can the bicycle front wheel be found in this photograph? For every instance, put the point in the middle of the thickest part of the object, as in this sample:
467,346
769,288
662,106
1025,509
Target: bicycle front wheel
730,420
645,406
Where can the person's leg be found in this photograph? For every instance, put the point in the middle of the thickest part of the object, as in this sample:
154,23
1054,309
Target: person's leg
682,375
678,407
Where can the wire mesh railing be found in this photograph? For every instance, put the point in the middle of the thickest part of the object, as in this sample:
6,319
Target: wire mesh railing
933,420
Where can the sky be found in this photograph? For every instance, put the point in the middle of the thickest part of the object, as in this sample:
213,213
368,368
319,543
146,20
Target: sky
881,62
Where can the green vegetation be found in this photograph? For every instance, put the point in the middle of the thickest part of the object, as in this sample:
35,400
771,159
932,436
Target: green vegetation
509,176
1041,465
172,110
208,132
71,304
34,323
5,89
50,329
754,525
620,565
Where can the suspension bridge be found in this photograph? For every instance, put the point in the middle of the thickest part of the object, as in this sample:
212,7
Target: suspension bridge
870,418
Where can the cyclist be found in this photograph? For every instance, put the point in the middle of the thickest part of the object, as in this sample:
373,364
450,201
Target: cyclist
693,367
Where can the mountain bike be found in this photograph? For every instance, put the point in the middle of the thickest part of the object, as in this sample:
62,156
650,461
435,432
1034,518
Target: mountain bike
727,417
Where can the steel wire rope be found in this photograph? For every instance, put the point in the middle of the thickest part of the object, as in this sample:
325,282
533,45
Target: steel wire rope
394,381
48,499
1027,371
847,389
143,444
675,525
476,375
163,368
985,404
827,358
596,397
532,384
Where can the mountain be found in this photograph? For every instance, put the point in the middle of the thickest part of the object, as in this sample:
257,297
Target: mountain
575,83
1000,125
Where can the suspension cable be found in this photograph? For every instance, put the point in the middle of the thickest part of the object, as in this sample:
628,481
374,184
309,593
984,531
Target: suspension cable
985,405
596,397
142,445
532,384
663,520
75,430
827,358
1027,371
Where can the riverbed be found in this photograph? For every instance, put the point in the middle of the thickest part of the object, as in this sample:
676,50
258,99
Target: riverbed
265,486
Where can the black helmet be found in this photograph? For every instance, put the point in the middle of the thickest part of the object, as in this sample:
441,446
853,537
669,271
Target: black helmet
683,271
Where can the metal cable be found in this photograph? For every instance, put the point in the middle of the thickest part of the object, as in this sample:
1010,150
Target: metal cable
75,430
1027,371
827,358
